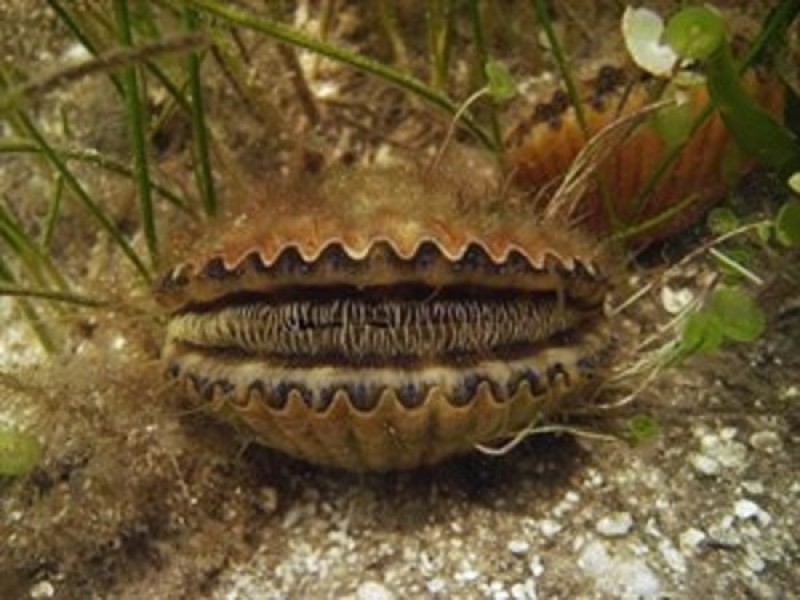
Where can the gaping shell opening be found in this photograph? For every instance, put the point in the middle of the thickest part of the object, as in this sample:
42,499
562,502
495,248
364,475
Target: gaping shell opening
362,326
404,325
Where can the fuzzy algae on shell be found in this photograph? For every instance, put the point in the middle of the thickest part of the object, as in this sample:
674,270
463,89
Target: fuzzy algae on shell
383,320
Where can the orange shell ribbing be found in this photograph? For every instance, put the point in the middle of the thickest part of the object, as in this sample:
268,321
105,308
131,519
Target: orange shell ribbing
356,211
541,153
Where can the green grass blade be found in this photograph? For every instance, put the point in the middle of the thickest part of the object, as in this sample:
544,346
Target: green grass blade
482,55
644,195
773,31
136,127
541,7
439,18
205,177
28,312
52,214
12,290
77,30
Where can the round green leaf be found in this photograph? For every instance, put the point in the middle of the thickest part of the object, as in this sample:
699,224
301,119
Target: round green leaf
642,429
787,224
764,232
794,182
701,333
501,84
695,32
739,316
19,452
673,123
722,220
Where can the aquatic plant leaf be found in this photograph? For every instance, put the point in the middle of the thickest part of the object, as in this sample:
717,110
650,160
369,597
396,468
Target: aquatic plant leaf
501,85
737,313
787,224
750,125
641,429
700,334
695,32
674,124
19,452
641,30
722,220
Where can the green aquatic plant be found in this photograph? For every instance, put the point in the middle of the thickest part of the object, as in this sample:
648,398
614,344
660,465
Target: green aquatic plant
787,224
730,313
699,34
640,429
20,452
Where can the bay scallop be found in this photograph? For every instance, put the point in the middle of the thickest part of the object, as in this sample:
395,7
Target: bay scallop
385,320
543,146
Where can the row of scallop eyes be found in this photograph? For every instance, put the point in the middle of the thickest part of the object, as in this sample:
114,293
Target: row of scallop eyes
334,258
608,80
364,396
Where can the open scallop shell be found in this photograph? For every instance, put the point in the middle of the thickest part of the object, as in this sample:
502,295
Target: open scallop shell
376,227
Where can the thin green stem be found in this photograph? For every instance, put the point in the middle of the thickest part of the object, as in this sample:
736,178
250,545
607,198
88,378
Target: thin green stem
482,59
540,7
645,194
773,31
136,127
9,289
659,219
387,14
543,17
439,19
451,130
52,214
29,313
205,177
37,263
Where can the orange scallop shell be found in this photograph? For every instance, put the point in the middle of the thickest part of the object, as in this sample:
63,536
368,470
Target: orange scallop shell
542,150
357,211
